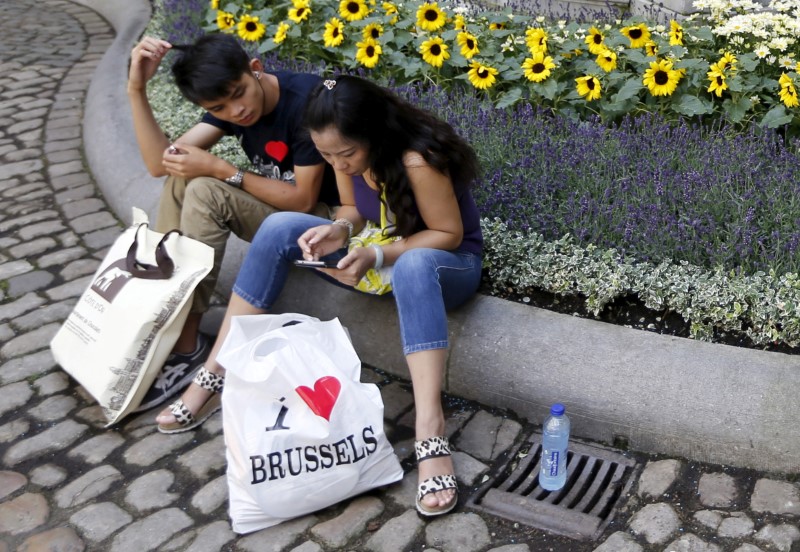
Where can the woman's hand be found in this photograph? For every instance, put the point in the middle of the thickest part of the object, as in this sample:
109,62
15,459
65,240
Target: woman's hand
352,266
322,240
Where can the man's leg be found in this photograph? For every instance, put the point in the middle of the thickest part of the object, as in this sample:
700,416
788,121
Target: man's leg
207,210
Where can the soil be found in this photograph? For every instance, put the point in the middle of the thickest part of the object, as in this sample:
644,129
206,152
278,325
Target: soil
630,311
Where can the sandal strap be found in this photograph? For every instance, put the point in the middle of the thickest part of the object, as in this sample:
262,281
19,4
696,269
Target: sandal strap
435,484
432,447
181,412
209,380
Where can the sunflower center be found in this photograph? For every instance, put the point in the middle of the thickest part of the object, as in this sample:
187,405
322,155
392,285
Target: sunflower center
720,80
431,15
483,73
538,67
374,33
352,7
661,78
636,34
590,84
335,32
436,50
597,39
470,43
251,27
300,12
370,51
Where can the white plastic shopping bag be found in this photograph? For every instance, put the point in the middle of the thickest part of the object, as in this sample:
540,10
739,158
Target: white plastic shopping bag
301,431
124,325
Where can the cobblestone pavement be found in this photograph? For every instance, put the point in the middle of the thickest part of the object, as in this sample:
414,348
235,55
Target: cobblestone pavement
69,484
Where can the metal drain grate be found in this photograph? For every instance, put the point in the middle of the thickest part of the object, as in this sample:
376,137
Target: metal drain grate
598,478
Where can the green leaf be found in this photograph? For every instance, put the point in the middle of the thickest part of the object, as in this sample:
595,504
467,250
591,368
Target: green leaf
630,89
691,105
547,89
748,62
507,99
776,117
737,111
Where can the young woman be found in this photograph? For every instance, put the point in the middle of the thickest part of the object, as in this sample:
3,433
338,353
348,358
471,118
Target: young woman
393,157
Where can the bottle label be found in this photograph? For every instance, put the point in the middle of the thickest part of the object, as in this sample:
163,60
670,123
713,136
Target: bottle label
554,457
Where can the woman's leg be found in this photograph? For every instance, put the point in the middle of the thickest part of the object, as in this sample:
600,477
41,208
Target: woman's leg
258,284
425,283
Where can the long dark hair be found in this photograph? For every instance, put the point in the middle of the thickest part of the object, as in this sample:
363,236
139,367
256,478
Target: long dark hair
389,126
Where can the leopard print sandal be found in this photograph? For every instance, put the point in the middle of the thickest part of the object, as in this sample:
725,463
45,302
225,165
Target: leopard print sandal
184,419
434,447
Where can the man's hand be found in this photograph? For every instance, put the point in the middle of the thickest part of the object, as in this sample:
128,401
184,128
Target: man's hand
145,59
191,162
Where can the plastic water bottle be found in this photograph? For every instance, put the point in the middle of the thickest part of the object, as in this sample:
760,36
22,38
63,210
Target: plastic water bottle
555,440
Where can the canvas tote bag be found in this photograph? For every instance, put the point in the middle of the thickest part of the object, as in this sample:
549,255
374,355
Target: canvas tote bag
301,431
125,324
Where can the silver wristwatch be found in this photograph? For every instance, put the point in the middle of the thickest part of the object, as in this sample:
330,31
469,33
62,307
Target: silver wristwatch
236,179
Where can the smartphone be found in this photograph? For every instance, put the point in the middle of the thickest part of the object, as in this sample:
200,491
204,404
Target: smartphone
174,151
315,264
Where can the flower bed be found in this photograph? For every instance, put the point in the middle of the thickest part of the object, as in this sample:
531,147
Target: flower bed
700,220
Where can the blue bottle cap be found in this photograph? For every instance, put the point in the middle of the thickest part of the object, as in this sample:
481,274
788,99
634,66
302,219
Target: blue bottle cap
557,409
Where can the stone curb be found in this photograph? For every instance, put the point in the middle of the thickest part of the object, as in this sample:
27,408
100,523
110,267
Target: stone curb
675,396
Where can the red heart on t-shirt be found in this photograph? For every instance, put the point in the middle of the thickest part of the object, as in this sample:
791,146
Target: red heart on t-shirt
322,398
276,150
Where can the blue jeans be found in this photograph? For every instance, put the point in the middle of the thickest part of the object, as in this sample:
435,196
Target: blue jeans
425,282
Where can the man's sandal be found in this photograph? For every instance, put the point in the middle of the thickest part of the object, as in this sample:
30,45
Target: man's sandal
434,447
184,419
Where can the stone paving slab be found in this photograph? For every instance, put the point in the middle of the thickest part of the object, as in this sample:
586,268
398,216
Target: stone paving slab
69,483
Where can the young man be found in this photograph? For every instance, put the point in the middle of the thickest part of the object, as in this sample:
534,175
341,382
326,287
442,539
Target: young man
205,196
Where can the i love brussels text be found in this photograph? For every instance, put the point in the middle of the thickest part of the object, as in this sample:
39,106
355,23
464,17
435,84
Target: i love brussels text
308,459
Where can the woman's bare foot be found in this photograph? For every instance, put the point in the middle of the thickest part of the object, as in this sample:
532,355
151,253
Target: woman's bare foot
432,467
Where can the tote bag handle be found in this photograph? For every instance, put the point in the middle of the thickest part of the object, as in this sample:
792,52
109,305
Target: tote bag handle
164,266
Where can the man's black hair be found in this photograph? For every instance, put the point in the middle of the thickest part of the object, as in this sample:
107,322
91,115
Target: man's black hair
208,69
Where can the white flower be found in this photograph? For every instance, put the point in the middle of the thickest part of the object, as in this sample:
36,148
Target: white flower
786,62
761,52
540,19
755,100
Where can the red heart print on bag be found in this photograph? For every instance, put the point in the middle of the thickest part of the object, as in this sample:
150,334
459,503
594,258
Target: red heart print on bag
276,150
322,398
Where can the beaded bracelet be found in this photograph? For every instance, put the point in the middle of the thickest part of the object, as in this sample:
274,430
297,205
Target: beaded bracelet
347,224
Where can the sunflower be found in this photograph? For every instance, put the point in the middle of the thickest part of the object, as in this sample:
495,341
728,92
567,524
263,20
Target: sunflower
607,60
468,43
661,79
368,52
639,35
214,4
718,82
225,20
391,10
482,76
536,40
595,41
372,31
299,12
353,10
675,34
250,29
588,87
430,17
334,33
651,49
459,23
788,93
728,60
497,26
434,51
537,68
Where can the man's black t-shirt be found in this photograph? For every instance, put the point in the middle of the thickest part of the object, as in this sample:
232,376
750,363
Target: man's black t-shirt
277,142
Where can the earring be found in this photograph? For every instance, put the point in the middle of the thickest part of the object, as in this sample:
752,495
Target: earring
257,74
